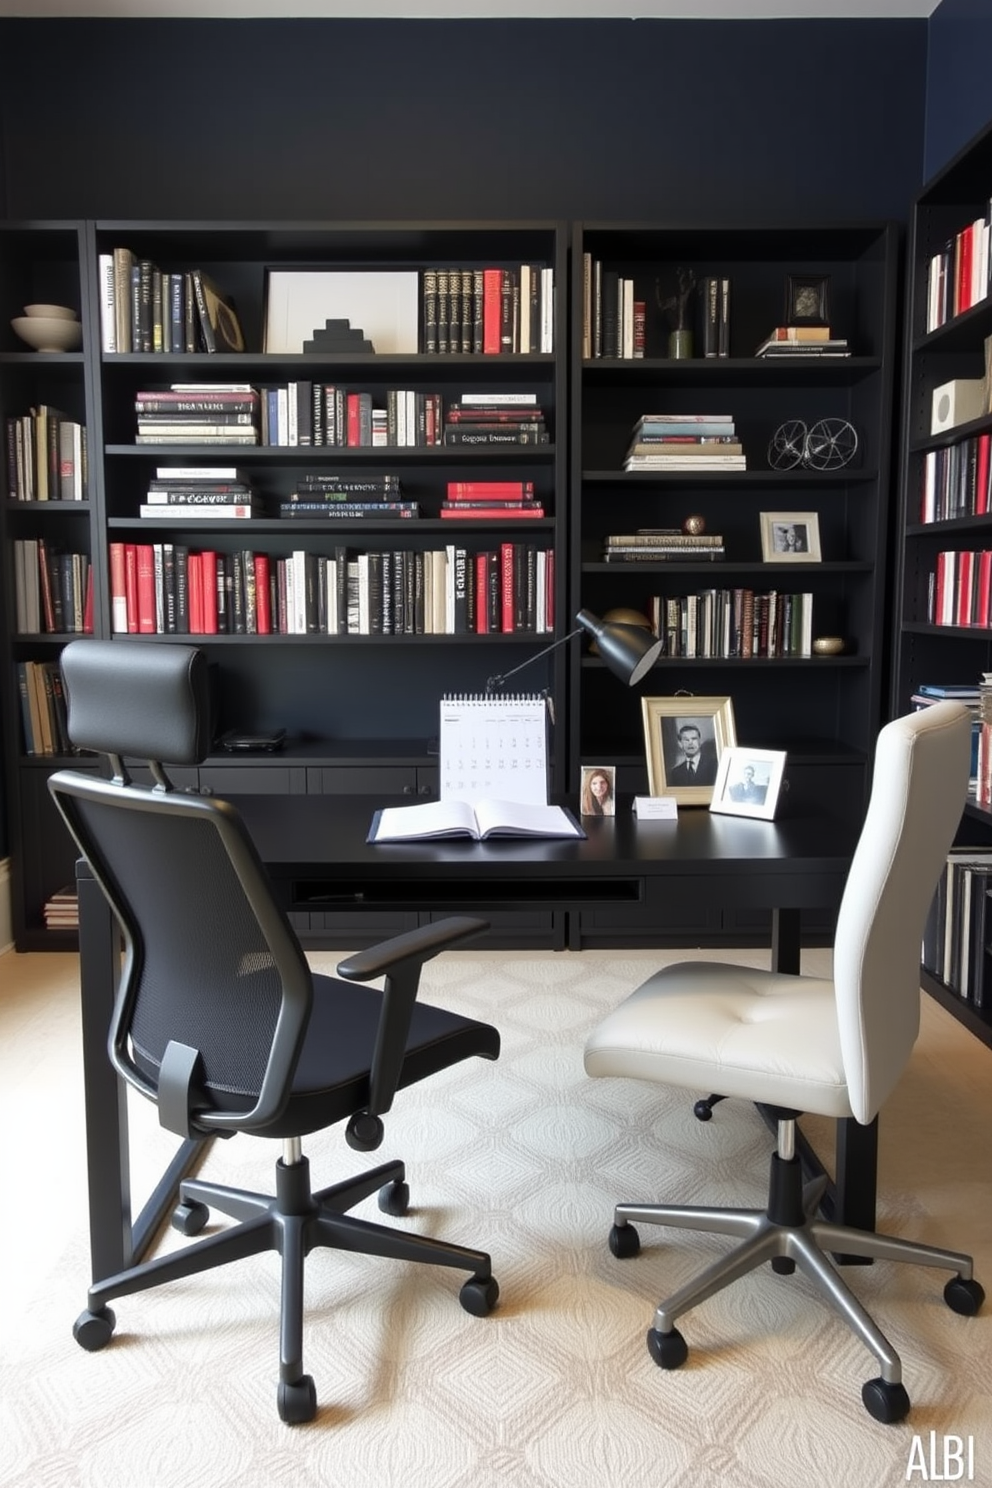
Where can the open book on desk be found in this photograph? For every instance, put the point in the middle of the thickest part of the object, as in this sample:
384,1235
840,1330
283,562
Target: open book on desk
476,819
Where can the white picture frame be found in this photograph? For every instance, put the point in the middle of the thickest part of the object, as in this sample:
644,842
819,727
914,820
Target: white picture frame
748,782
790,537
382,303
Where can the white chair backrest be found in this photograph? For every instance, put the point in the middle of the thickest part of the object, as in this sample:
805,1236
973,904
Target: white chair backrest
919,788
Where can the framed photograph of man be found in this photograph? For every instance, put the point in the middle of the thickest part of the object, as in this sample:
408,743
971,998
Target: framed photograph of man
748,782
790,537
684,740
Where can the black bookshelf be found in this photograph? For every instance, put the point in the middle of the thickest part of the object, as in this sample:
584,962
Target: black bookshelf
942,347
824,711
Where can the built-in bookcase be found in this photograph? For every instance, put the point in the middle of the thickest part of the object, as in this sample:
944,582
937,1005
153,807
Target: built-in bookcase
958,650
823,710
360,711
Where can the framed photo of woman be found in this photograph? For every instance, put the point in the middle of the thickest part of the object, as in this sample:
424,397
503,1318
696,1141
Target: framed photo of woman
597,796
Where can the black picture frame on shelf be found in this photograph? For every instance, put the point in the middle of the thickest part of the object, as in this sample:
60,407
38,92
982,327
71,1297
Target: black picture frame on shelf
807,300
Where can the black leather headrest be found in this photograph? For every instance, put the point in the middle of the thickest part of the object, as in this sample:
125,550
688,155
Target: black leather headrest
143,701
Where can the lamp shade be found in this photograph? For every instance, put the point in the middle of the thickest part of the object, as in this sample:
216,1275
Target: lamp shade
628,650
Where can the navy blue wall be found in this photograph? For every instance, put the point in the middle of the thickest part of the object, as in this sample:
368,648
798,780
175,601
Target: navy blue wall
659,120
959,86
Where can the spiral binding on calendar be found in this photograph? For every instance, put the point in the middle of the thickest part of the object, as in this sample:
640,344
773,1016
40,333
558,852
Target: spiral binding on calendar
493,699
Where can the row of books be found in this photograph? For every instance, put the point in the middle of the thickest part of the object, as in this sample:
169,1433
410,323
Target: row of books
960,589
927,694
53,590
958,275
614,321
488,311
166,588
143,308
46,457
955,480
714,315
658,544
43,712
734,624
956,939
682,442
803,341
198,413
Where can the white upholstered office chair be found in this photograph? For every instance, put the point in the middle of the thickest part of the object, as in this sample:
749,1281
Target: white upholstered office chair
799,1043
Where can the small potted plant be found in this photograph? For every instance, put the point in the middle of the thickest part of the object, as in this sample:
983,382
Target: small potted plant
676,306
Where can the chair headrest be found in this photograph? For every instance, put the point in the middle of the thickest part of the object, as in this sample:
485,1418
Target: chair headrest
149,702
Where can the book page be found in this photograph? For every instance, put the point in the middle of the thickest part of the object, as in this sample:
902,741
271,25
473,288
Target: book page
516,818
427,819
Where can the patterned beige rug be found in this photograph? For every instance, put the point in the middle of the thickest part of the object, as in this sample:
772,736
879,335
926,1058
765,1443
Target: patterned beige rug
524,1158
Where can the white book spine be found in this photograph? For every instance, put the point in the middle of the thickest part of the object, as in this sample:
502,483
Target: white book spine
108,306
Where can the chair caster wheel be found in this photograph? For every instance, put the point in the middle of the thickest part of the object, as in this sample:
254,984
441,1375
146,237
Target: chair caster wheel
297,1402
703,1111
190,1218
479,1297
625,1242
94,1330
884,1402
364,1132
964,1297
668,1350
394,1198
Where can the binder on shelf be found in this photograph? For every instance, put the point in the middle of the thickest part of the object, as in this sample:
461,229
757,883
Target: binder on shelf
494,745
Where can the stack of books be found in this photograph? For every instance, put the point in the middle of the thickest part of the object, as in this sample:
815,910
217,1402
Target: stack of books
803,341
212,492
685,442
471,499
43,708
198,413
494,420
662,544
350,497
62,909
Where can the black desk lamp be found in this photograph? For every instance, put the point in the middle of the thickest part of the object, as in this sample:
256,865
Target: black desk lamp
627,650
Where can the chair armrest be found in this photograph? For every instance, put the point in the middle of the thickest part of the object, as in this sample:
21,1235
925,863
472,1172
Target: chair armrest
400,960
412,948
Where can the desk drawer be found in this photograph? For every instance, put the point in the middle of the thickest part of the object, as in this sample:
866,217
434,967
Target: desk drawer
372,780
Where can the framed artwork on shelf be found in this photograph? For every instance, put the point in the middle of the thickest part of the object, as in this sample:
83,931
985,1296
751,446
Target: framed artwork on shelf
807,300
341,311
598,796
684,741
748,782
790,537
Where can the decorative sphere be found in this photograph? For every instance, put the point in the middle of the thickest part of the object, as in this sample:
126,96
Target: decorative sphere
694,525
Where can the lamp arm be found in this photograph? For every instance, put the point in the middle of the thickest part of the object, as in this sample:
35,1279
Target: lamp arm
493,683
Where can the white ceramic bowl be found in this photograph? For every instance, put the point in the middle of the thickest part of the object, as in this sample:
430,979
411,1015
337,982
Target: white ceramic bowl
50,312
48,333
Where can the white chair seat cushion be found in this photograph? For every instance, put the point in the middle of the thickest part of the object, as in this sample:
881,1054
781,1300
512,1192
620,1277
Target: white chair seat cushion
730,1030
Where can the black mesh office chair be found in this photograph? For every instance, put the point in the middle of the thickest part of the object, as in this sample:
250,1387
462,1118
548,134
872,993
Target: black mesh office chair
219,1020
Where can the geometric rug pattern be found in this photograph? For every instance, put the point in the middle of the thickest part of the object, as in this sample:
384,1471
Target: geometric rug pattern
524,1158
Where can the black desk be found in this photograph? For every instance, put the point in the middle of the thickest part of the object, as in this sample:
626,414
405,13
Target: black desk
317,856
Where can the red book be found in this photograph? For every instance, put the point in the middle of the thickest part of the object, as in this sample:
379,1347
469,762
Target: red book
354,419
965,587
983,590
473,490
982,475
145,556
131,585
962,282
507,577
194,585
482,593
263,606
511,514
208,570
492,310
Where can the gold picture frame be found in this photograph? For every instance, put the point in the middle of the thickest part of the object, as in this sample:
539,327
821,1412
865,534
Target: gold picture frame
678,730
790,537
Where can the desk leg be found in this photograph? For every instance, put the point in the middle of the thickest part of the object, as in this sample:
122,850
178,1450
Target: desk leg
115,1241
787,940
105,1104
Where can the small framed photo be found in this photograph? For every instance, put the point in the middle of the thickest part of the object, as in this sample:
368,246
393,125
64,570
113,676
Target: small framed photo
790,537
807,301
684,740
598,796
748,782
